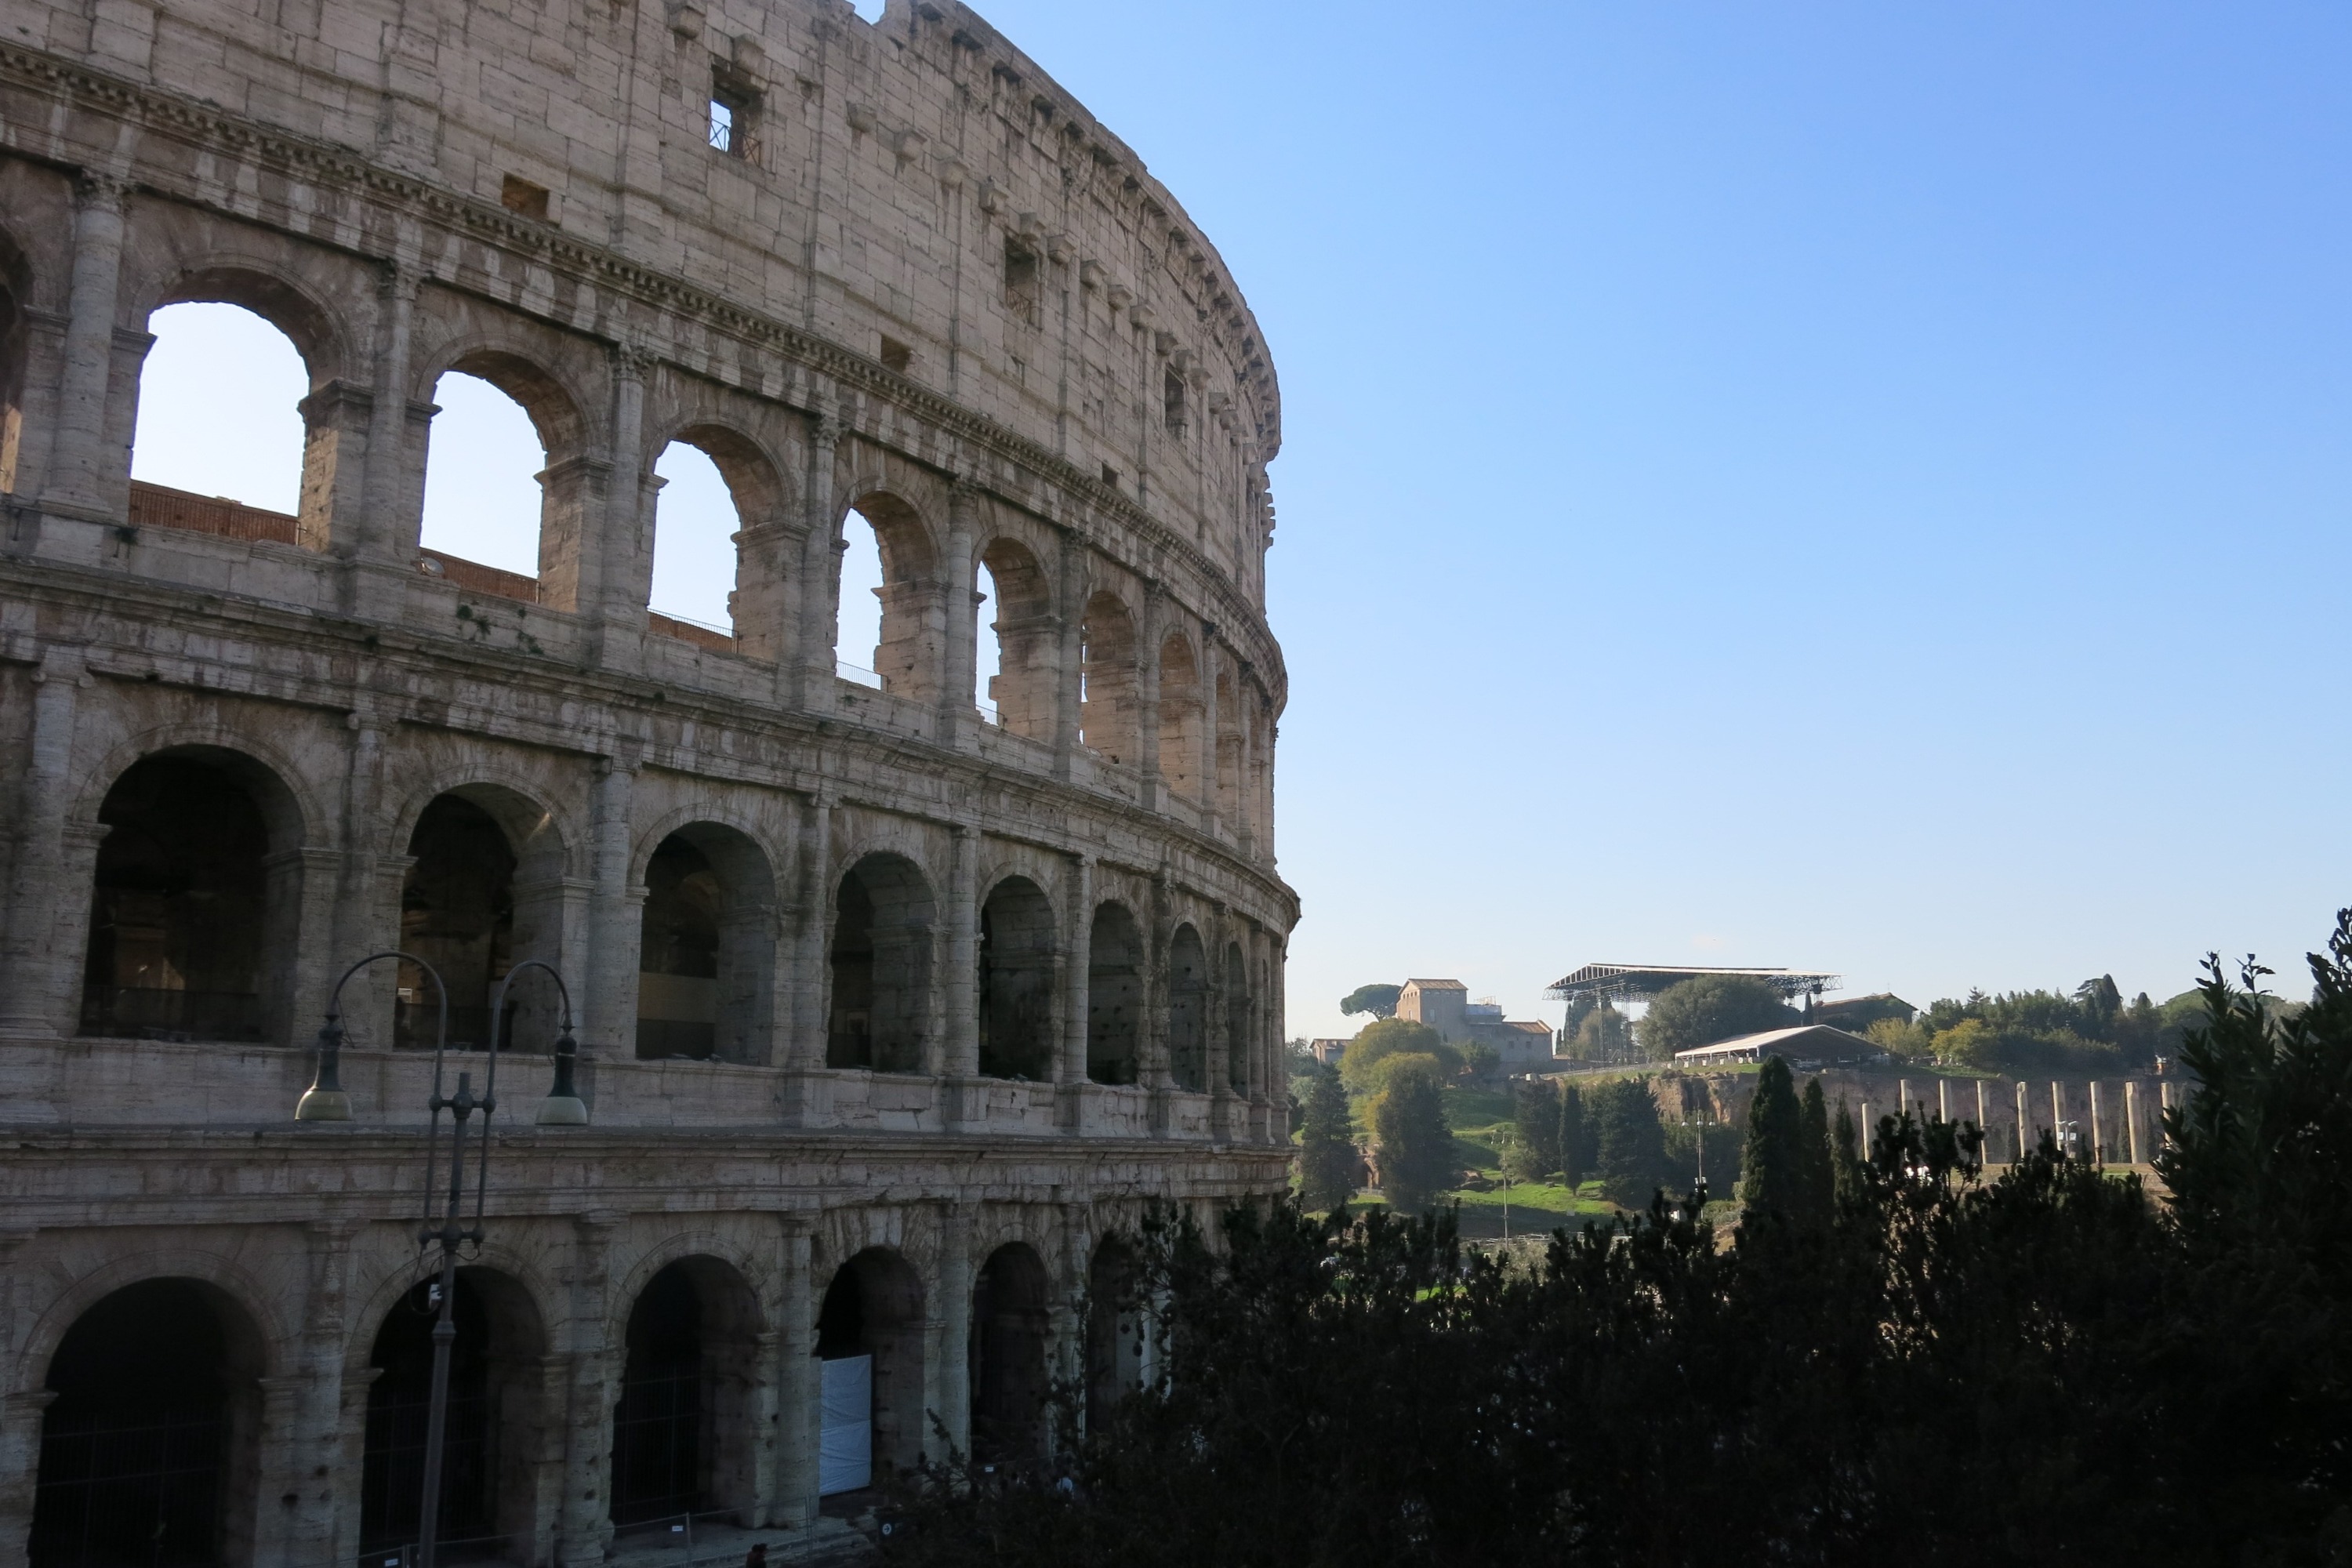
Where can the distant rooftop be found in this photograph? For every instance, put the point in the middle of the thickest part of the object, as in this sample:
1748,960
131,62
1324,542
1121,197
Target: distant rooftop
1439,984
1818,1039
1639,979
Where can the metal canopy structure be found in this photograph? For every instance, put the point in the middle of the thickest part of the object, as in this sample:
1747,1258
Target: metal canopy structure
1640,981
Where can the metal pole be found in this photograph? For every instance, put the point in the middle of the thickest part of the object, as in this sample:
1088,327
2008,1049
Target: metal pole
445,1328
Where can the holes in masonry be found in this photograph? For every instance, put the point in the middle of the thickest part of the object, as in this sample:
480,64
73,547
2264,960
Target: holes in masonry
519,196
896,355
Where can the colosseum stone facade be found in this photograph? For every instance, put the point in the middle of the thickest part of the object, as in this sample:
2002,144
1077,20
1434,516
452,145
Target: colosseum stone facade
895,1004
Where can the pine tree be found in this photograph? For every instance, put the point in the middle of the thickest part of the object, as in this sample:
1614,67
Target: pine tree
1416,1146
1326,1153
1629,1141
1772,1179
1536,1115
1845,1156
1575,1136
1817,1166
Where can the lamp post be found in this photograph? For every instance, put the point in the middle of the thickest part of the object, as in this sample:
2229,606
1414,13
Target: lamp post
561,1107
326,1101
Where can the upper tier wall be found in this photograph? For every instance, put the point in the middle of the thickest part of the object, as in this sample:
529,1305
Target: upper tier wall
918,181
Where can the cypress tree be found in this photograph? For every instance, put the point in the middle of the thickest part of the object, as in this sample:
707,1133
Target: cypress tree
1416,1146
1772,1179
1575,1136
1817,1164
1327,1151
1845,1156
1629,1141
1537,1114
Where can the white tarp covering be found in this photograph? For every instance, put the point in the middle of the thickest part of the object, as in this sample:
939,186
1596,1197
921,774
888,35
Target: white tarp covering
845,1434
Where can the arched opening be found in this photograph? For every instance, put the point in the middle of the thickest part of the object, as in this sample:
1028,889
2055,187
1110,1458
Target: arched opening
1016,983
484,891
722,572
1237,1020
906,628
457,913
488,1443
1019,680
681,1432
220,444
1180,717
510,498
1010,1324
869,1337
1107,681
1188,1010
16,294
194,908
695,559
706,954
1115,1330
148,1452
678,957
1114,995
1229,753
881,967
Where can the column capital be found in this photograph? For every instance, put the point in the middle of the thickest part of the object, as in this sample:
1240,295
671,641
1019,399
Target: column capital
101,190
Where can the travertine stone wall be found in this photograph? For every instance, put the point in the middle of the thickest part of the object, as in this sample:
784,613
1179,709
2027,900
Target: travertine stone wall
922,282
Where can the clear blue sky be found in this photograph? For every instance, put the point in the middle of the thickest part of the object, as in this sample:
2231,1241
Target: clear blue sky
1851,486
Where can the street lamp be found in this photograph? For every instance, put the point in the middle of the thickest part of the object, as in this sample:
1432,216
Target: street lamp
326,1101
561,1107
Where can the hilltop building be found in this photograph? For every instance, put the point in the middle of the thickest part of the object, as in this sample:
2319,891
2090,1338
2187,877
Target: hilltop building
1445,1006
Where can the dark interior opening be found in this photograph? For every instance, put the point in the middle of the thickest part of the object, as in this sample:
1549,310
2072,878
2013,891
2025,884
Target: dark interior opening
457,913
136,1450
392,1473
677,981
177,919
658,1466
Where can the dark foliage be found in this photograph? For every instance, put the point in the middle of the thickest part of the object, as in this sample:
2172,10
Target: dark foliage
1628,1144
2048,1368
1326,1148
1578,1146
1535,1114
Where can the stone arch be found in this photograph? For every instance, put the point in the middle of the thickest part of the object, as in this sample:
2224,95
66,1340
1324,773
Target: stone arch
1238,1012
285,301
1229,748
873,1307
706,966
1114,995
1017,951
881,966
760,606
1027,637
1107,694
152,1443
493,1443
196,891
571,481
484,889
683,1440
272,292
1117,1328
1011,1326
1180,714
910,657
17,303
1188,1010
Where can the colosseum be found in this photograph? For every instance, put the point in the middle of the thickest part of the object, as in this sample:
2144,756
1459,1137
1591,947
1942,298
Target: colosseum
898,994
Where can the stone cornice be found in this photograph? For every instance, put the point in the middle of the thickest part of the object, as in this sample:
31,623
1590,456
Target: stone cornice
330,165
